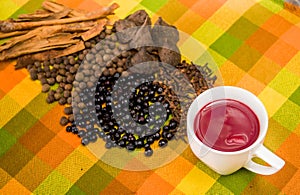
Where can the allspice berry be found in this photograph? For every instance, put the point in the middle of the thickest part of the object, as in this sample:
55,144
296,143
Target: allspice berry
64,121
45,88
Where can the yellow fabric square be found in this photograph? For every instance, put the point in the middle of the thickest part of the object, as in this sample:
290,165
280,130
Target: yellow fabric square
25,91
224,17
231,74
8,109
239,6
14,187
20,3
272,100
125,8
208,33
74,166
10,8
192,49
293,64
195,182
285,82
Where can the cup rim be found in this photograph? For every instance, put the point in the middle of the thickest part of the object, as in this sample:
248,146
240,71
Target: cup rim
190,131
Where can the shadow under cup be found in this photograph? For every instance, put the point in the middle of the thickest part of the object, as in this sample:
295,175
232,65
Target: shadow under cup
220,161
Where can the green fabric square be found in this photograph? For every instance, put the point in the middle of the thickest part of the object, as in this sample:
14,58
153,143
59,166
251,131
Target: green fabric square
237,181
94,180
217,188
245,57
288,115
242,28
74,190
295,97
18,125
207,33
226,45
32,6
55,183
275,6
278,2
285,82
38,107
18,12
258,14
6,140
15,159
153,5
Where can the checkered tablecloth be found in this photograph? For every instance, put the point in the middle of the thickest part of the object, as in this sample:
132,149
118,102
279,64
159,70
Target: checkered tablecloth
255,44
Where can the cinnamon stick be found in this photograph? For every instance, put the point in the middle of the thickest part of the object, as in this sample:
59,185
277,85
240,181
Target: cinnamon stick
12,34
7,26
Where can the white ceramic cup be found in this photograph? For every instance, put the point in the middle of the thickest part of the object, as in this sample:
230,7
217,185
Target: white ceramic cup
228,162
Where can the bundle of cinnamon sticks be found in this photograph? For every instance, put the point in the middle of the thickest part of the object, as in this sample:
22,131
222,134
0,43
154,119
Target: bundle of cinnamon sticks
51,32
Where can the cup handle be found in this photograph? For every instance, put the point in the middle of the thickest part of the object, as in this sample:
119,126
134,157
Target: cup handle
269,157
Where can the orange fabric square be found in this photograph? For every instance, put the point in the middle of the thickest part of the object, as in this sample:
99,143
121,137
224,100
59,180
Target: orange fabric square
297,130
89,5
115,187
14,187
55,152
251,84
292,37
264,70
276,25
293,187
281,178
231,74
71,139
158,186
72,4
289,150
189,22
2,94
9,77
133,179
281,52
207,8
261,40
174,177
188,3
36,137
34,172
52,117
